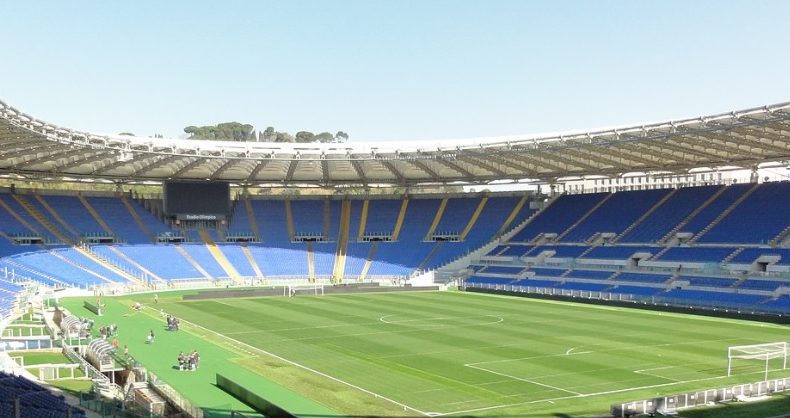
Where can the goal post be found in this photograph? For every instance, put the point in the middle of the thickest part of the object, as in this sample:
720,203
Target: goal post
314,289
762,352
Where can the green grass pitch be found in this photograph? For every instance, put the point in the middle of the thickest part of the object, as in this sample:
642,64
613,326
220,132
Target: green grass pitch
466,354
452,353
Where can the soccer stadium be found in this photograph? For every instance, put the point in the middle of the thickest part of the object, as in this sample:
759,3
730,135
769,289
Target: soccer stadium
199,296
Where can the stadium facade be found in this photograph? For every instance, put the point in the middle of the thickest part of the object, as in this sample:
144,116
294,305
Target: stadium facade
707,244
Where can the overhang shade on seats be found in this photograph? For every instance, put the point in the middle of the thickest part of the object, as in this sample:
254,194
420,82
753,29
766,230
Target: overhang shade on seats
34,148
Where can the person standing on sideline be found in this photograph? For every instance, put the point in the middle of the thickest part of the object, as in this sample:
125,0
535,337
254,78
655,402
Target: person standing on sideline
156,298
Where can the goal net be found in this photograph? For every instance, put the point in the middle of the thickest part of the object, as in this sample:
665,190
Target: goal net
312,289
763,353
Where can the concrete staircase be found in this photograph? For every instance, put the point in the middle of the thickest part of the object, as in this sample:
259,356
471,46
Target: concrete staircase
19,219
779,239
137,219
374,247
401,216
733,254
436,246
645,215
583,218
251,259
135,264
251,218
194,263
436,219
327,224
724,213
310,262
220,257
363,220
42,220
289,219
473,219
512,216
339,268
95,215
691,215
56,216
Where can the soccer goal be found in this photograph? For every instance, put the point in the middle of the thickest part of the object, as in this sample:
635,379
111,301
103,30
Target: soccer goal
761,352
310,289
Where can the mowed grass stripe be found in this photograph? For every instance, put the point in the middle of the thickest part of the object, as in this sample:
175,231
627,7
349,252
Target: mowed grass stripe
419,352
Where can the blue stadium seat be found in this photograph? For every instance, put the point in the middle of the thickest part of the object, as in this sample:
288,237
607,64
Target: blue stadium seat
616,214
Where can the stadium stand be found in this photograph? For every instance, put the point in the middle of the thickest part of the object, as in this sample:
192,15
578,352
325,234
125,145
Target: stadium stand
34,400
616,214
560,251
670,214
750,255
559,216
709,281
763,224
435,230
589,274
697,254
710,212
618,252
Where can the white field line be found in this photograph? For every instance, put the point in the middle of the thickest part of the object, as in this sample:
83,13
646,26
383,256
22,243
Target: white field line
523,379
497,319
631,310
583,395
570,351
322,374
293,329
645,372
437,326
434,326
620,348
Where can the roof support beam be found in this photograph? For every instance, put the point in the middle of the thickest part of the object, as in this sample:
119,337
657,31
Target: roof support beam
729,149
571,160
26,151
641,149
690,149
760,138
224,167
324,171
360,172
469,176
54,156
112,166
534,160
25,141
424,167
257,169
194,163
154,164
389,166
616,154
484,165
96,156
602,159
292,165
526,171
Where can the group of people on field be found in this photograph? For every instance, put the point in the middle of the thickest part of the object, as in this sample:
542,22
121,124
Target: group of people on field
189,361
172,323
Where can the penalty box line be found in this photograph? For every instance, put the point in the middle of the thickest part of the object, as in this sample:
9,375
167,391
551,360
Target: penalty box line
534,382
301,366
583,395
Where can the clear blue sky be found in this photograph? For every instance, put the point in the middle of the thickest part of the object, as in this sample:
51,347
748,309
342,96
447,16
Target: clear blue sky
390,69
